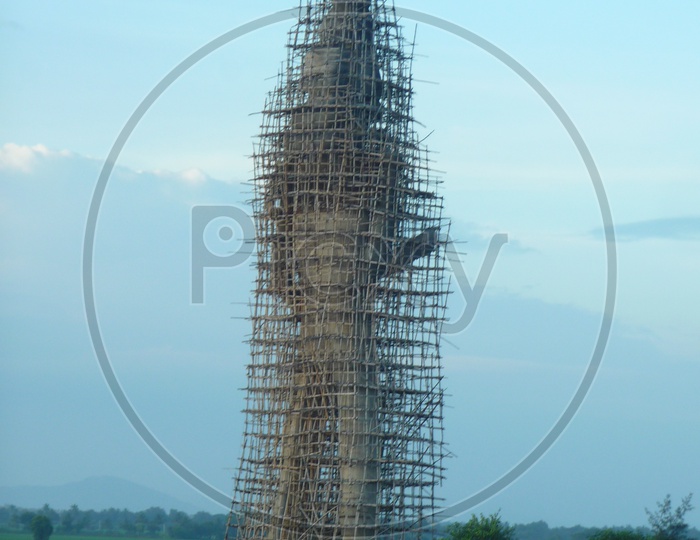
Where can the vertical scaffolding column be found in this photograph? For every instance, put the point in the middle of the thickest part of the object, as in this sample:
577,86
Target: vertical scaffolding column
336,329
344,399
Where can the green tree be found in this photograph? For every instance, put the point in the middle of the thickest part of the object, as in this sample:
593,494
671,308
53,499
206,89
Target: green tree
481,528
25,519
612,534
667,523
180,525
140,523
41,527
49,512
156,518
66,523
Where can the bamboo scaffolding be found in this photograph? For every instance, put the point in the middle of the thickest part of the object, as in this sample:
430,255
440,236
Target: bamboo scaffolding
344,431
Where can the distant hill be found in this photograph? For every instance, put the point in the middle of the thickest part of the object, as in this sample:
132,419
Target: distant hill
95,493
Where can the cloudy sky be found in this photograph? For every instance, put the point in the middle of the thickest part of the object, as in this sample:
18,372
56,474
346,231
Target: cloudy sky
73,74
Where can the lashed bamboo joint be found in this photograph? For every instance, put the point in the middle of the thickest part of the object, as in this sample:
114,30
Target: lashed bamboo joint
344,409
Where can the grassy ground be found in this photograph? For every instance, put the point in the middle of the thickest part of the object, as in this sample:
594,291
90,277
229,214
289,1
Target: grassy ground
27,536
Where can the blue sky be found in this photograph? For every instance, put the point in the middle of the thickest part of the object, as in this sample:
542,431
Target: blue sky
73,74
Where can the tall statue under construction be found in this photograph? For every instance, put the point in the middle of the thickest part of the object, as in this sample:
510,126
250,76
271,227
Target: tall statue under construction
344,399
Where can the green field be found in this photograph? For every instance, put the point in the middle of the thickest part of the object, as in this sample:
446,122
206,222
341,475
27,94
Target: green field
27,536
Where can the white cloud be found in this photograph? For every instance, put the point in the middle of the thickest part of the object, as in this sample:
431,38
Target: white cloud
24,158
192,176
